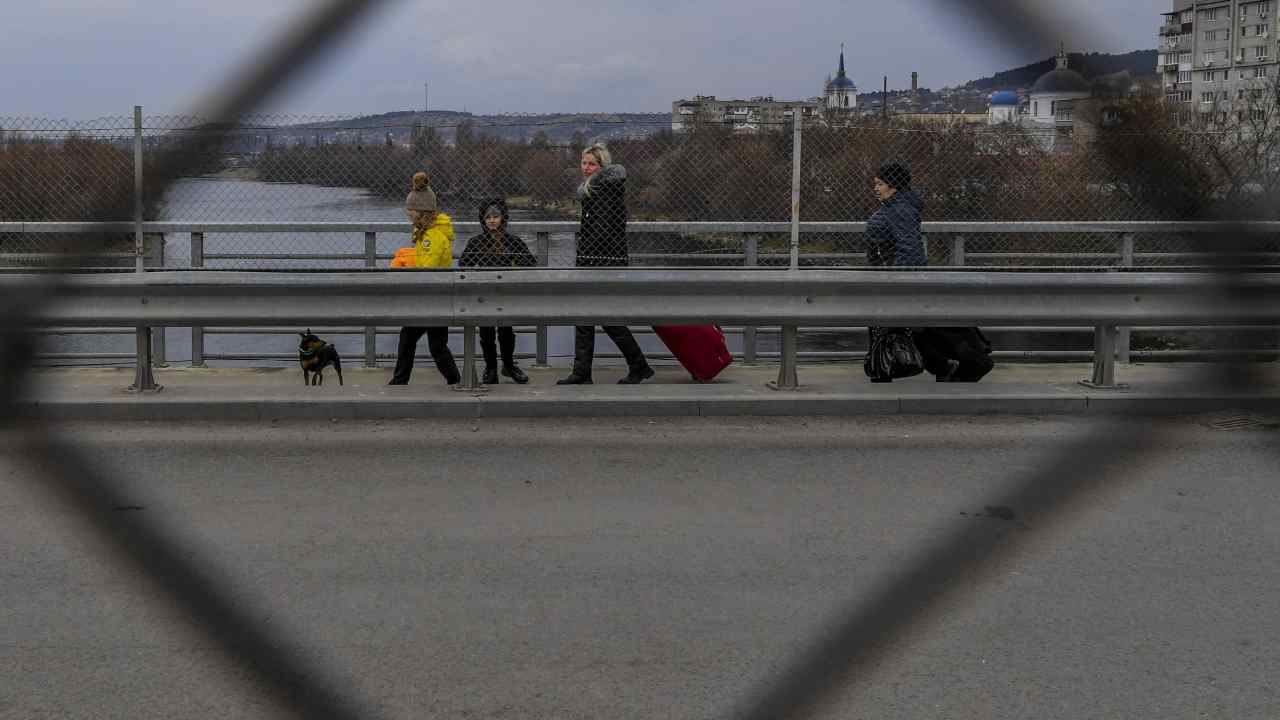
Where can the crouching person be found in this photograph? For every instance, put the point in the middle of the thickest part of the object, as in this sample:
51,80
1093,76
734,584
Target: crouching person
432,248
494,247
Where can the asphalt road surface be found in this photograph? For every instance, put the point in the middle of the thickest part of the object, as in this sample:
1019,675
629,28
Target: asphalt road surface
647,569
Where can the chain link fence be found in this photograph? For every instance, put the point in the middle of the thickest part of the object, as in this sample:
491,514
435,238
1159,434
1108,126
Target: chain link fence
315,170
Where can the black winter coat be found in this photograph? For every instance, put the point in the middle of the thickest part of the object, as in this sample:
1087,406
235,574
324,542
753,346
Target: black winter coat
893,232
501,249
602,234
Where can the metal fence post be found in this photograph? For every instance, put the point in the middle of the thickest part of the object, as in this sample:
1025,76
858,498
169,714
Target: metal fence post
957,251
143,379
796,123
197,332
139,242
1124,335
752,259
371,333
543,252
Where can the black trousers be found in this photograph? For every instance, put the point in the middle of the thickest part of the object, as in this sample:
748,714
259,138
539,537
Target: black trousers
437,343
504,336
584,348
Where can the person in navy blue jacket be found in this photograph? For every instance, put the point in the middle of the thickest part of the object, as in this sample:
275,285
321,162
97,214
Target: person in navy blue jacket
893,231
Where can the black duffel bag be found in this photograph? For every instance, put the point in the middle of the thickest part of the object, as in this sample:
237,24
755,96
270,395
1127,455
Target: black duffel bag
967,346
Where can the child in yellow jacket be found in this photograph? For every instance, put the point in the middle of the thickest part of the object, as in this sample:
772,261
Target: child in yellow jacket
432,248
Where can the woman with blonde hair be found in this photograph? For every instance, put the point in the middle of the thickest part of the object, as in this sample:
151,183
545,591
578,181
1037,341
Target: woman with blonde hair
602,242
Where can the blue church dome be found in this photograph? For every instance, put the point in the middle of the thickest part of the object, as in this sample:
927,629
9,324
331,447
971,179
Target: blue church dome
1004,98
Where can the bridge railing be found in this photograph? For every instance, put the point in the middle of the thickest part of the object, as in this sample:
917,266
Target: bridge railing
785,298
952,246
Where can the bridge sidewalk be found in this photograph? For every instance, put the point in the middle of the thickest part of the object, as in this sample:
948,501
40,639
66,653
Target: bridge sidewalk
827,389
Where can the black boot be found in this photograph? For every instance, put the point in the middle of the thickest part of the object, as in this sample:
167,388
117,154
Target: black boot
490,375
638,375
514,372
575,379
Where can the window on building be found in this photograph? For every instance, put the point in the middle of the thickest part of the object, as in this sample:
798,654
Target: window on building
1184,76
1184,57
1213,14
1260,72
1186,96
1210,75
1035,108
1206,97
1188,16
1209,57
1260,52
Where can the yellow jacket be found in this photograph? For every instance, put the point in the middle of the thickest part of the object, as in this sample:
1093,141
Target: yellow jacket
432,247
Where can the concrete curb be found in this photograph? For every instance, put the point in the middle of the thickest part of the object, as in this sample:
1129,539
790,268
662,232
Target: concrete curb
158,408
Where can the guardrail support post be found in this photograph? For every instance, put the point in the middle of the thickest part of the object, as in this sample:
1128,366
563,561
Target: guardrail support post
543,252
197,332
143,379
957,251
752,252
787,376
1124,336
470,378
371,333
1104,360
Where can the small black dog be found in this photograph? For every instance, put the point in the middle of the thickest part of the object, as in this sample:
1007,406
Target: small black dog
315,355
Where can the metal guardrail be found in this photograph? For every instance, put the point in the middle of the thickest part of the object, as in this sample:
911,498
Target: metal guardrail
958,256
789,298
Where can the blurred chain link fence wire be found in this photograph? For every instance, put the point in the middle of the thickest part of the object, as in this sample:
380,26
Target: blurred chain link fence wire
333,169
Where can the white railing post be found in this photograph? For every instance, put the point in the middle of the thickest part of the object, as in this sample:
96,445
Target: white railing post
143,379
371,332
197,331
957,251
751,259
1124,335
543,252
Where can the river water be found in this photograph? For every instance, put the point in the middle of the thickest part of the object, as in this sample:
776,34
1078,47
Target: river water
225,199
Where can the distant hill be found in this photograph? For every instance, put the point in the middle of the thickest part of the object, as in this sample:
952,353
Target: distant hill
1091,65
558,127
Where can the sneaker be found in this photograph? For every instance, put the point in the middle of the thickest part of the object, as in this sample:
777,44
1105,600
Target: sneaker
635,377
575,379
490,376
514,372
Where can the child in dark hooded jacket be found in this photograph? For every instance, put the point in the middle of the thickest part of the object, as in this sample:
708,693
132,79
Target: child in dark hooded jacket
494,247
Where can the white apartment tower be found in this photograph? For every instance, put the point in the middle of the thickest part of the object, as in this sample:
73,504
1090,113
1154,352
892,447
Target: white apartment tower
1216,53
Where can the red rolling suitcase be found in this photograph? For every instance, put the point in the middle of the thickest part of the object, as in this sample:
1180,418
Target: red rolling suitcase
701,349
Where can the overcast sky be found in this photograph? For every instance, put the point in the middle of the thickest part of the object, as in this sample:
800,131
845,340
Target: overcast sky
81,59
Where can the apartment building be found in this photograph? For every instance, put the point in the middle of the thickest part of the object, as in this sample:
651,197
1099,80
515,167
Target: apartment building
754,115
1216,55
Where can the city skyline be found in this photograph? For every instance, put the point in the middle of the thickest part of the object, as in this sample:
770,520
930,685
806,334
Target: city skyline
78,59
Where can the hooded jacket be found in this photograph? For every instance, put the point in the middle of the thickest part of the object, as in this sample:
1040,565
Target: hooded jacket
496,249
602,234
893,232
432,246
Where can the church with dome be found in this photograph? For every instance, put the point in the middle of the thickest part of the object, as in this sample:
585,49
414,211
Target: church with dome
840,93
1062,103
